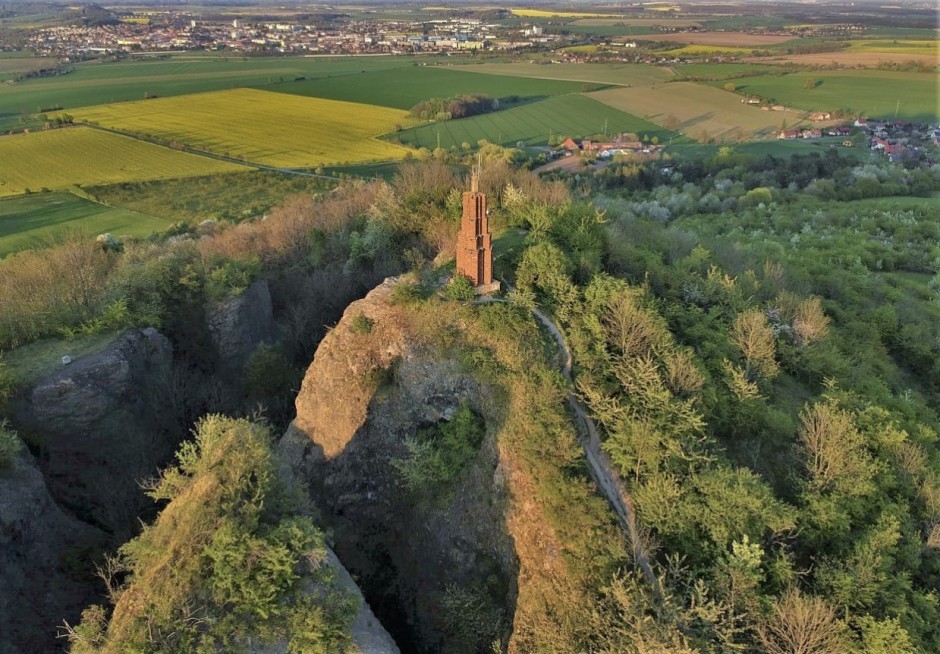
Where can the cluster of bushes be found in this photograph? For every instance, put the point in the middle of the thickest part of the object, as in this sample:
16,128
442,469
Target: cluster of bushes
233,560
460,106
778,442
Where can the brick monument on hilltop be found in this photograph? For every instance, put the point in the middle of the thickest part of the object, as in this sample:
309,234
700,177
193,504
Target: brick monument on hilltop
474,243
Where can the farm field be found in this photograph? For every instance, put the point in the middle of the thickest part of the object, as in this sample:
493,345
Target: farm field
721,71
897,46
618,74
696,50
94,83
81,155
12,67
33,220
541,13
567,115
668,22
403,88
275,129
845,59
911,96
702,112
739,39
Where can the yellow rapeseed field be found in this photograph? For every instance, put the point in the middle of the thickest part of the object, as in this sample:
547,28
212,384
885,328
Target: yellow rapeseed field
275,129
80,155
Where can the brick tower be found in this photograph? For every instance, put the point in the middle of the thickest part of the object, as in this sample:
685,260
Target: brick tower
474,243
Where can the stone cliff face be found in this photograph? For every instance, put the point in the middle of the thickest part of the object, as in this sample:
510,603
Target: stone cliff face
102,424
38,543
364,394
239,324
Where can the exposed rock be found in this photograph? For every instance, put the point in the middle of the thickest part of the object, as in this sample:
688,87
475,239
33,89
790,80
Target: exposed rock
364,393
102,424
367,632
239,324
37,543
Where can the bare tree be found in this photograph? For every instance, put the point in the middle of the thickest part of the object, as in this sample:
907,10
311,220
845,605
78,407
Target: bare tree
754,338
799,624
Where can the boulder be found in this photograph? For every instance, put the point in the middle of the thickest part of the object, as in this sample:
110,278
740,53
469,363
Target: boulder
238,325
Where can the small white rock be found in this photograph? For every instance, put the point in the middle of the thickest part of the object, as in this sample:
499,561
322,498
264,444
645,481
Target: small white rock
66,360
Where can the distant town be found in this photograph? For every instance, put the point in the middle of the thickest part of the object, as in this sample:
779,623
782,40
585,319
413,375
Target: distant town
155,30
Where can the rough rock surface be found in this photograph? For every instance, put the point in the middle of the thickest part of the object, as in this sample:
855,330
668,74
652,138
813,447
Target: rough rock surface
103,423
362,396
239,324
367,632
37,541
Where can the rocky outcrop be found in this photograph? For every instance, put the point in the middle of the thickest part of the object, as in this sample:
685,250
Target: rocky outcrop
371,385
238,325
42,552
102,424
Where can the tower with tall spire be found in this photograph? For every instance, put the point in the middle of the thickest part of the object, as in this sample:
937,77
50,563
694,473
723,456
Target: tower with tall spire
474,242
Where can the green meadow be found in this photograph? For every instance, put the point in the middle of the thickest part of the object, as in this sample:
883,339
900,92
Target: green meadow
873,93
403,88
33,220
568,115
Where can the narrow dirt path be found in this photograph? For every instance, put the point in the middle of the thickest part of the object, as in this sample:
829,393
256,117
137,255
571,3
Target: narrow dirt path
601,467
599,464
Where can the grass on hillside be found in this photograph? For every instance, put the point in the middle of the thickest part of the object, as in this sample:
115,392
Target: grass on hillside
64,157
37,219
873,93
701,112
29,363
276,129
572,115
403,88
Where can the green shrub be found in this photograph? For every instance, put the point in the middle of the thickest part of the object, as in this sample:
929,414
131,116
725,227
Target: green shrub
10,446
460,288
246,559
7,384
405,294
361,324
437,454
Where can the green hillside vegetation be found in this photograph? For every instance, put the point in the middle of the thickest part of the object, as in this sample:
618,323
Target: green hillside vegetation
909,96
402,88
567,115
763,363
228,196
232,561
38,219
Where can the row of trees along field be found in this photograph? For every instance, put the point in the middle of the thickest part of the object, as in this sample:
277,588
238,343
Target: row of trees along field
763,362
